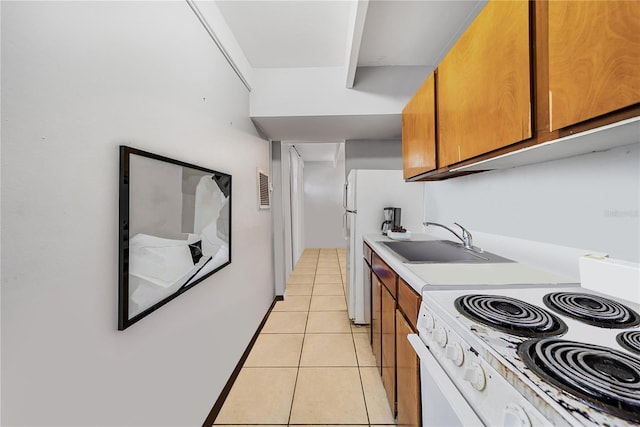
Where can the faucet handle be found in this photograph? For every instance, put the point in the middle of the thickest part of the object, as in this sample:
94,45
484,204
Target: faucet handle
467,238
464,230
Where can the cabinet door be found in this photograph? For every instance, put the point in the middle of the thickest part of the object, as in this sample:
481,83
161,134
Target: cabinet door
484,85
387,276
409,302
419,131
367,285
408,376
366,253
376,320
389,346
594,59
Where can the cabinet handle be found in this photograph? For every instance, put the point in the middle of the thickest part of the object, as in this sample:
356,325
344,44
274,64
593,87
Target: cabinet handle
529,128
550,111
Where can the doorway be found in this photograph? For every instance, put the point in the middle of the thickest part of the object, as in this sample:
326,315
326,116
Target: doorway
308,180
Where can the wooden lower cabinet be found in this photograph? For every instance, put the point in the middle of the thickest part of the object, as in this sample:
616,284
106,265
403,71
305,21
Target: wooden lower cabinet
387,276
392,319
376,320
409,302
408,376
389,346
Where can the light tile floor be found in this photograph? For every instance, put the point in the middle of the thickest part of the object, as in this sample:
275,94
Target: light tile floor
310,365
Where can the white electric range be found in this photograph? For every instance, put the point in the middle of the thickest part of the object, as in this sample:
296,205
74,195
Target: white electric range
515,356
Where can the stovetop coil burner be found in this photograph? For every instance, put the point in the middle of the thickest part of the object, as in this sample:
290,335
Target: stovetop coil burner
605,379
629,340
510,315
592,309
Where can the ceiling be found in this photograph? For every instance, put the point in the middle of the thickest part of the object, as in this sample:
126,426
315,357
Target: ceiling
318,33
401,33
333,128
313,33
318,151
294,33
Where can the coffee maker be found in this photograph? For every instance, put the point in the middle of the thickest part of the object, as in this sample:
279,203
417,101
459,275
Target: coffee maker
391,219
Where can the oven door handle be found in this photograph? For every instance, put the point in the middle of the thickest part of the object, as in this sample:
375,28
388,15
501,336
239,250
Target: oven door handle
448,389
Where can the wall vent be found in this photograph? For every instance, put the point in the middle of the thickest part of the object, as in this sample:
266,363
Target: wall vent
263,191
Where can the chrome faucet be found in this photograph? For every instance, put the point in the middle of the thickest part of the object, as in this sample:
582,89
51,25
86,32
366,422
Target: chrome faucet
466,238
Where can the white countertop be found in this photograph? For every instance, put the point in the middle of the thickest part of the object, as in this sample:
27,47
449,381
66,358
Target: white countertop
452,275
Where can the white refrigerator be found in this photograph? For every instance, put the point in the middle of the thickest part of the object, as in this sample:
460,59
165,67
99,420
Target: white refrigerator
366,194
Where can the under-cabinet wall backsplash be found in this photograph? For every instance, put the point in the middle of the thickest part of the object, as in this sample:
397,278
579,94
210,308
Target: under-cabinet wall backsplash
589,201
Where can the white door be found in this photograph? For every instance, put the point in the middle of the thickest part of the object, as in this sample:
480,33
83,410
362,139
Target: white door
297,205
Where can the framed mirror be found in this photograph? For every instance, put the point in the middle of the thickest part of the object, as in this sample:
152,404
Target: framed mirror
175,230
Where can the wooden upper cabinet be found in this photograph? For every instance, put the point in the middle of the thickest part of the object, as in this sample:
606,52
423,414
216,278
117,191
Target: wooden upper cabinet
594,59
484,85
419,131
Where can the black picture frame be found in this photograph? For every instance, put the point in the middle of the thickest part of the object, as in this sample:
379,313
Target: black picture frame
174,230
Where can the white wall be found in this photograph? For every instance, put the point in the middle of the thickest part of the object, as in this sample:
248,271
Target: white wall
372,154
589,202
323,192
78,79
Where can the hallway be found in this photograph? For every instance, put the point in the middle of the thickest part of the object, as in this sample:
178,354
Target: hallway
310,365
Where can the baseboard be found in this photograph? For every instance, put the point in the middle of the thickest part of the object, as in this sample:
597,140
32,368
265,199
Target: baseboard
227,387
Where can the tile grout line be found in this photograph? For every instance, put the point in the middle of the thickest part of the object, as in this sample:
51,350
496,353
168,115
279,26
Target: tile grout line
304,335
359,366
355,349
364,396
351,332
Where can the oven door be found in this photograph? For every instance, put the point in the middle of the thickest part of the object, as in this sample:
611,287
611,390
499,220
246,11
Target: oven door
442,403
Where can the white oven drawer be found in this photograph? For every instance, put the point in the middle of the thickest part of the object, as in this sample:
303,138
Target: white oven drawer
442,402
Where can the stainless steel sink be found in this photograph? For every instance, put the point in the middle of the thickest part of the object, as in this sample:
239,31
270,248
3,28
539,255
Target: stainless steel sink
440,251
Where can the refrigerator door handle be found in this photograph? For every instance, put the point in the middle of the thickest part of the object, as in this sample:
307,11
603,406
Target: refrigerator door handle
344,198
345,201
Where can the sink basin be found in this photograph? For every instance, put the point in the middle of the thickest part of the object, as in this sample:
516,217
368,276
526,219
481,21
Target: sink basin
440,251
